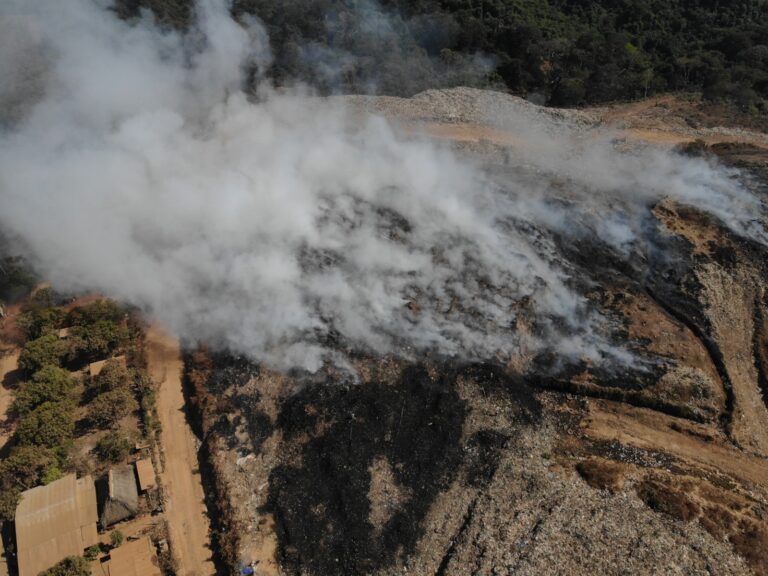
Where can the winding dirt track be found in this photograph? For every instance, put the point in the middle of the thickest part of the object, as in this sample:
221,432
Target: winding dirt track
185,505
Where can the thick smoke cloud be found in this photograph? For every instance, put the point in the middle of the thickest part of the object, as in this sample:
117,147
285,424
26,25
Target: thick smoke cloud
285,227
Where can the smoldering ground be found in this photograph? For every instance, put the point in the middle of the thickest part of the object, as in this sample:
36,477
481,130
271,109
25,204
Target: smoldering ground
280,225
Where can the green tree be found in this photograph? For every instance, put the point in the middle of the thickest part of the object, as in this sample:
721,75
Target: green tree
94,341
113,375
24,468
49,384
50,425
9,499
70,566
94,312
40,352
40,320
16,278
107,409
113,447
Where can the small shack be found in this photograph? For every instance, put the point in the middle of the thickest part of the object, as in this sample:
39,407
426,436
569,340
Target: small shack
118,496
145,472
95,368
63,334
135,558
55,521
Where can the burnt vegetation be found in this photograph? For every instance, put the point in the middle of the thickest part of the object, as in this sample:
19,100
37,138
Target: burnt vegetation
322,507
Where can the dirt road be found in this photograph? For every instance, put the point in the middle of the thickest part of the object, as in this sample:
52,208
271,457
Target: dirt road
8,363
185,508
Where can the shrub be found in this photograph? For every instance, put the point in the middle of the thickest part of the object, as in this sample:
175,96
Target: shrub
41,352
70,566
49,384
50,425
113,447
107,409
116,538
92,553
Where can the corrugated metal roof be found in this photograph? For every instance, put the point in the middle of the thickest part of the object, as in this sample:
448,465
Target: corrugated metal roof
146,474
134,559
55,521
123,497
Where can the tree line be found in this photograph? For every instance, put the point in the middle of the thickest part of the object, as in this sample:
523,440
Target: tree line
561,52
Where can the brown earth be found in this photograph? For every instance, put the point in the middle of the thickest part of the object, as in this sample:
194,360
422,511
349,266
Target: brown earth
185,509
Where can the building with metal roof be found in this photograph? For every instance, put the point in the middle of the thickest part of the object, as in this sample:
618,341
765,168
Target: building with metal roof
55,521
146,474
136,558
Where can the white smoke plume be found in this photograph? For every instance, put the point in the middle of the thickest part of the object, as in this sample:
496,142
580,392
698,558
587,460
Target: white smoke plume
279,224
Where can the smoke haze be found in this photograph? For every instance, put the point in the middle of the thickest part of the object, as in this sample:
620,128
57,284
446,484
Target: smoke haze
283,226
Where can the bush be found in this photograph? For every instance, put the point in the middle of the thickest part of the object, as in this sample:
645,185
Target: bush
92,552
41,352
50,425
49,384
113,447
70,566
107,409
116,538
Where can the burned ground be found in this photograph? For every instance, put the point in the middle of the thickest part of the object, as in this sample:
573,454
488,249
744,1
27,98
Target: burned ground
404,467
541,465
322,505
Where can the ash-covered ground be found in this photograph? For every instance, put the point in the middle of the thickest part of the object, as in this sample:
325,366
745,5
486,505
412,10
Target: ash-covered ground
538,464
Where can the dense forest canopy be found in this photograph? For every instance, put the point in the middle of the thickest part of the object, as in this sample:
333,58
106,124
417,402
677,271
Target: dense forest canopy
563,52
